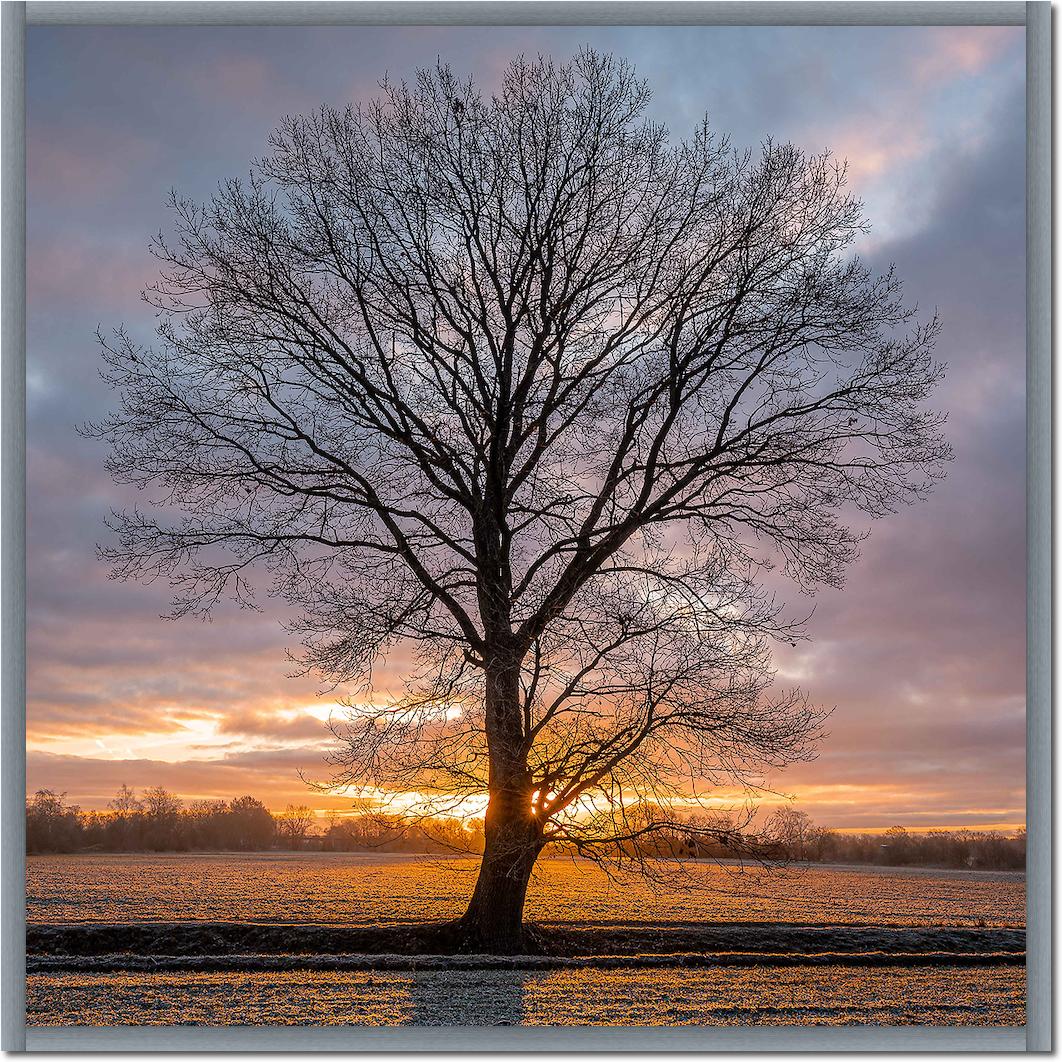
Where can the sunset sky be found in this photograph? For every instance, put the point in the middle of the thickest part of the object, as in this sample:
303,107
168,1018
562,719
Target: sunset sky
921,655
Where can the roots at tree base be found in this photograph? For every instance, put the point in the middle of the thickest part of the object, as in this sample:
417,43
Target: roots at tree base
494,920
460,938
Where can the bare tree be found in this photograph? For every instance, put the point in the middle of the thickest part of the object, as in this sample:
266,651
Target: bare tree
294,824
523,383
792,830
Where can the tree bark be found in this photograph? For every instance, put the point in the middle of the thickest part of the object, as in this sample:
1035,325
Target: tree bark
493,921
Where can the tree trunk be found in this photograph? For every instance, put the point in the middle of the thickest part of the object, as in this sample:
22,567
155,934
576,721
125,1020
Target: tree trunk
512,835
493,922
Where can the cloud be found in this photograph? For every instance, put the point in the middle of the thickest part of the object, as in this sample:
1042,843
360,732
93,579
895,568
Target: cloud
290,724
99,276
83,163
960,51
274,779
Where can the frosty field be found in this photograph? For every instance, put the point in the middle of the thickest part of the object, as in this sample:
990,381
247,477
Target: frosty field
356,888
759,996
259,939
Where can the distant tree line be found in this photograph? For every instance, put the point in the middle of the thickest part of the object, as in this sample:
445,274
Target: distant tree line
392,833
157,821
797,837
791,836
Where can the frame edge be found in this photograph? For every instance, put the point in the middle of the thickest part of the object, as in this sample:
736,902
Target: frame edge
529,12
1039,513
14,16
13,524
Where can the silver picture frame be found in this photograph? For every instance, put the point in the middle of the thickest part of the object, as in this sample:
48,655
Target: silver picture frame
1036,16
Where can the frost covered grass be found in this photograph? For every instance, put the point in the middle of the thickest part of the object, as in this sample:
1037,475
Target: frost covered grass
761,995
357,889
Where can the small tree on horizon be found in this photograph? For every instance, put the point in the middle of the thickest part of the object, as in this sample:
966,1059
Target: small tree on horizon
792,829
523,384
294,824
